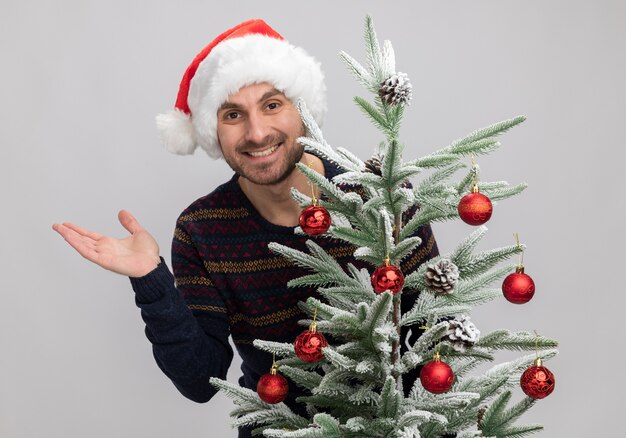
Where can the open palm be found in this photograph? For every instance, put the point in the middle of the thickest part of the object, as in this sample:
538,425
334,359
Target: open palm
134,256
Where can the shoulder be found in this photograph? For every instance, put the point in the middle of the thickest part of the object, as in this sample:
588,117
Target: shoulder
332,169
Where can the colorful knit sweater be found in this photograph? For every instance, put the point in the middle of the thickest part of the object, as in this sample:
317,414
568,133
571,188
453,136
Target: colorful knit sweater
229,283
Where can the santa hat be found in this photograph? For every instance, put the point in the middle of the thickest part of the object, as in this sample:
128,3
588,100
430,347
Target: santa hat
251,52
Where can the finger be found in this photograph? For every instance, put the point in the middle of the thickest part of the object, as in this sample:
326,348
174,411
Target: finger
67,232
85,246
129,222
82,231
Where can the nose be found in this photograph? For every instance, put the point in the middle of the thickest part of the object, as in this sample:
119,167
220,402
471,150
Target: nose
257,129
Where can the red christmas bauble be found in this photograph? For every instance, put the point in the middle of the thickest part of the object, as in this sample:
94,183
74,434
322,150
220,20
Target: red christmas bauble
314,220
437,376
475,208
387,278
518,287
537,381
272,388
309,344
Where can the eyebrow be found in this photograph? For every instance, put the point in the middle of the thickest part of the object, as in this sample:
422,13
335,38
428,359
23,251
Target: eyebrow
270,93
266,95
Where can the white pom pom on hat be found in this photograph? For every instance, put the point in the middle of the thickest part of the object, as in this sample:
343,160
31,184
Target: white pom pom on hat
251,52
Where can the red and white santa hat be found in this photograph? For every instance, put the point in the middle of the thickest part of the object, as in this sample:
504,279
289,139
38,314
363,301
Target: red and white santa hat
251,52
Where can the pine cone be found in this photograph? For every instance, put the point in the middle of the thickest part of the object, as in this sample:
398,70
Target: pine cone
462,333
396,90
442,276
374,164
480,416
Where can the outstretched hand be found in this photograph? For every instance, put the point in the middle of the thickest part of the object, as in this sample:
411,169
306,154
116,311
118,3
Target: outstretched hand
133,256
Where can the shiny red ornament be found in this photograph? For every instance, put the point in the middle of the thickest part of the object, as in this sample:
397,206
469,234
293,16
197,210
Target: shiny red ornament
308,345
437,376
518,287
272,387
387,277
537,381
315,220
475,208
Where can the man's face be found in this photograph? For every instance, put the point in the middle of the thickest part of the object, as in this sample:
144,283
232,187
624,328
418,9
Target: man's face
257,128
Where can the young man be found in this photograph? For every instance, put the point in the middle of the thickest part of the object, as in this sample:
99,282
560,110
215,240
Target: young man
236,101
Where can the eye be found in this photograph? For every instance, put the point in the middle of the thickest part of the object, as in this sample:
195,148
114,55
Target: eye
232,115
273,105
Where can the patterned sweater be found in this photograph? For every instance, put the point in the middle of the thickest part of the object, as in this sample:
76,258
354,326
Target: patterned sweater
229,283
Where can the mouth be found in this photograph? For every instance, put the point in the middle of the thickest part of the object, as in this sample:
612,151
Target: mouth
263,153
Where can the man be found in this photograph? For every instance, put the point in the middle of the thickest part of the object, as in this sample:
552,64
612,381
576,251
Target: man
236,101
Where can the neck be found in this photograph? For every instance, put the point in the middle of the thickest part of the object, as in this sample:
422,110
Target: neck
274,202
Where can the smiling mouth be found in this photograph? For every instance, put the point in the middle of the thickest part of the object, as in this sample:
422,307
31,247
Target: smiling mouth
264,153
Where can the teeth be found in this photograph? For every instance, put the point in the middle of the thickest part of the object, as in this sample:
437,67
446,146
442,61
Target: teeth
264,153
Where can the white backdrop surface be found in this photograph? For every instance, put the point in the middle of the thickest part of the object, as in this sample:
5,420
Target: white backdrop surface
83,80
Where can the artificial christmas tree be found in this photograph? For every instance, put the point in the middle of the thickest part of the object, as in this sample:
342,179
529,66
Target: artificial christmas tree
355,386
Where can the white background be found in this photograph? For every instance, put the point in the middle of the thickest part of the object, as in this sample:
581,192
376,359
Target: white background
83,80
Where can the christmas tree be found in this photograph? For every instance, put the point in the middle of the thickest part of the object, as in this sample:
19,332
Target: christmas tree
355,382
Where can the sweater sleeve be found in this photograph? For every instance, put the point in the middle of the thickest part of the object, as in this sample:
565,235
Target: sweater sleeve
188,350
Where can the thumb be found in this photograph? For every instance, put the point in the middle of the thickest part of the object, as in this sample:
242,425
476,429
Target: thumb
128,221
